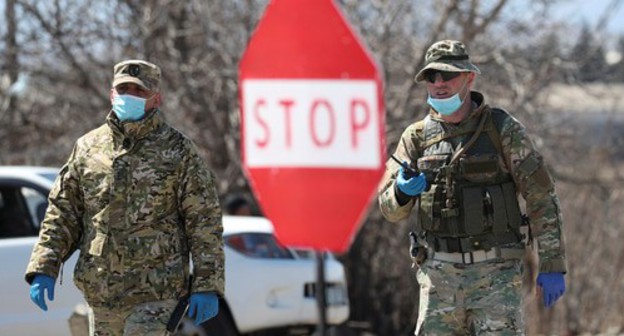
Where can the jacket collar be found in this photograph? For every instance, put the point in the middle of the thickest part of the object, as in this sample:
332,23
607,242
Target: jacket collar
135,129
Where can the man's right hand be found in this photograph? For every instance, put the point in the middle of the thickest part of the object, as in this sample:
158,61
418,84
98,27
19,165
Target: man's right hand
41,283
411,185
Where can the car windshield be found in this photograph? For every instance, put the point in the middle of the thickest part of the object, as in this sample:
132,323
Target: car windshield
49,176
258,245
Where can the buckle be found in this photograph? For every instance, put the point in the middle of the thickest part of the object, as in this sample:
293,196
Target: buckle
464,258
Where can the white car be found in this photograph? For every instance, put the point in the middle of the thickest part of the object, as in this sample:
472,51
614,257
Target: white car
269,288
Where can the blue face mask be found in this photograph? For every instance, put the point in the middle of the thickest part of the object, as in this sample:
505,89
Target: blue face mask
446,106
128,107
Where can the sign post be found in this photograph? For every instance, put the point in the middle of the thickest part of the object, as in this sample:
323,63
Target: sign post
312,124
321,298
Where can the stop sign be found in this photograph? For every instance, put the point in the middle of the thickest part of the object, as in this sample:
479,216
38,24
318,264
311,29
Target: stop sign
312,123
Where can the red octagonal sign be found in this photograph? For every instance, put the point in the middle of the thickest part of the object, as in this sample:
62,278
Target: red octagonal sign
312,123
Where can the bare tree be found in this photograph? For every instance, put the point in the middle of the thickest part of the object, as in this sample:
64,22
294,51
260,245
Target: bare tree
66,49
8,81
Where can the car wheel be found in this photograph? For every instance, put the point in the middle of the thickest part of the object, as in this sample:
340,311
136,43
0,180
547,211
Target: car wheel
222,324
339,330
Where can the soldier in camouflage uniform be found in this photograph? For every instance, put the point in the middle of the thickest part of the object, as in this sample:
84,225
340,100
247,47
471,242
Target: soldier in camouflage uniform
137,200
470,161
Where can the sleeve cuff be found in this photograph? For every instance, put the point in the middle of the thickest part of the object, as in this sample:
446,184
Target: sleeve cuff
553,266
401,197
211,283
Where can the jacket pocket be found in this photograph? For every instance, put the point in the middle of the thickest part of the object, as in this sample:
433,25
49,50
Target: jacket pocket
91,277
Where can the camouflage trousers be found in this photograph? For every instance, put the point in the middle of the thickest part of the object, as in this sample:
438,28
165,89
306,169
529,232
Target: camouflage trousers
479,299
144,319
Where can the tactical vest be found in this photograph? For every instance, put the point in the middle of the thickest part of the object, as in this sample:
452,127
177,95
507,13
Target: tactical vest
471,203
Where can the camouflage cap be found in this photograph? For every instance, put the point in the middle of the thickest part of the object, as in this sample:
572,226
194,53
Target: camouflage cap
447,55
138,72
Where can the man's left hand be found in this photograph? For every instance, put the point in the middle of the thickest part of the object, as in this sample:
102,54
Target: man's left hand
203,307
42,283
553,287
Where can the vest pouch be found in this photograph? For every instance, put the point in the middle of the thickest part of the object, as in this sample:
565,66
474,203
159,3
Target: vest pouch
430,207
479,168
471,212
430,165
514,216
505,209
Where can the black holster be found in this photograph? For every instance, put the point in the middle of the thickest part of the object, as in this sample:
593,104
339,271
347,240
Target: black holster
180,309
178,313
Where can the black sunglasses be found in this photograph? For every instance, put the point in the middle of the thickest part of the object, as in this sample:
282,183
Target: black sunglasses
430,76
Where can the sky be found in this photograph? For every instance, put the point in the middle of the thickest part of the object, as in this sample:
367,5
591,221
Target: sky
590,11
576,11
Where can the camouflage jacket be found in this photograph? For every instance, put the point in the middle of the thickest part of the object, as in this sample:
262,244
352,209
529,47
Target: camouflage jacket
135,198
542,203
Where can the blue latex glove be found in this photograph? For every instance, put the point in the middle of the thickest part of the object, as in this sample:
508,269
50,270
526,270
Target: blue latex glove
411,185
41,283
553,287
203,307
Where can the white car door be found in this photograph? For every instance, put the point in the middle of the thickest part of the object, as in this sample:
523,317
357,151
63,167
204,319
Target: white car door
19,201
